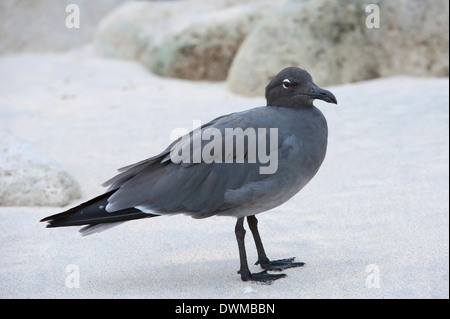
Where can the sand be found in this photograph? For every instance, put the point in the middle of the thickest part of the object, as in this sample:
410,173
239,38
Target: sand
373,223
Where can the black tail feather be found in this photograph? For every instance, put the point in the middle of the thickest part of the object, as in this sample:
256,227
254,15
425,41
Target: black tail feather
93,212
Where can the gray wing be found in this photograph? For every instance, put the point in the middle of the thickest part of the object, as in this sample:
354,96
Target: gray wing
160,186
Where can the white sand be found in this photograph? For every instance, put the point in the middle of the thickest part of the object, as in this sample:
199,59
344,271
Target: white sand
380,198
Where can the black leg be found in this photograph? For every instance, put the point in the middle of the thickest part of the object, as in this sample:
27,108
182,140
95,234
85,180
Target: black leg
244,271
263,261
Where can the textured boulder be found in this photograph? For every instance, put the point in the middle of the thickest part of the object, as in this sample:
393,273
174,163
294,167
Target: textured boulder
204,49
331,40
192,39
29,178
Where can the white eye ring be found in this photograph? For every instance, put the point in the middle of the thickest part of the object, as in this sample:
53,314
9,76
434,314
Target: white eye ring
286,83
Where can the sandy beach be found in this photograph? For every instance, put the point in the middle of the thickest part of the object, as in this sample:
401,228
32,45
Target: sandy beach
373,223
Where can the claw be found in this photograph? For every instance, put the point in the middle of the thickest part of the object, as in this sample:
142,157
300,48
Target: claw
262,277
278,265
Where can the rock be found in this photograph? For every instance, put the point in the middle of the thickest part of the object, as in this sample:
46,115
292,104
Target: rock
122,34
204,49
29,178
331,40
192,39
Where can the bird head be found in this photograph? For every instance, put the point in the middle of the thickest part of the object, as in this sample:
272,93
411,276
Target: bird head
293,87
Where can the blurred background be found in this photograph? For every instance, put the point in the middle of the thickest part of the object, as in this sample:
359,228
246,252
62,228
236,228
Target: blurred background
243,42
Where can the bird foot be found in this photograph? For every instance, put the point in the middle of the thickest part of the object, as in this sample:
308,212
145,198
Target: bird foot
261,277
278,265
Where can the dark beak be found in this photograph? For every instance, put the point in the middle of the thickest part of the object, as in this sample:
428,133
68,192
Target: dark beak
323,95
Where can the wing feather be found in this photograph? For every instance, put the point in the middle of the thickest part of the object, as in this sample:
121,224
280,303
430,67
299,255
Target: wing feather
197,189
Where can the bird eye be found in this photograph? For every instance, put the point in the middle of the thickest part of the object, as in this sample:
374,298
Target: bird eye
286,83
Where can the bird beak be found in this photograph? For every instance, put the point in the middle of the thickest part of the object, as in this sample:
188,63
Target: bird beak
322,94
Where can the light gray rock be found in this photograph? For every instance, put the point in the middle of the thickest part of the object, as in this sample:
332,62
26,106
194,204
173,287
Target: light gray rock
330,39
29,178
191,39
121,34
204,49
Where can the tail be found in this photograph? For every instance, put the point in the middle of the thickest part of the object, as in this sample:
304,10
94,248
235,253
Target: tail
93,214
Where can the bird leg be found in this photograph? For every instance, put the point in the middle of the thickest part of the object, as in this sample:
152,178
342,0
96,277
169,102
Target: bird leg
263,276
263,261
